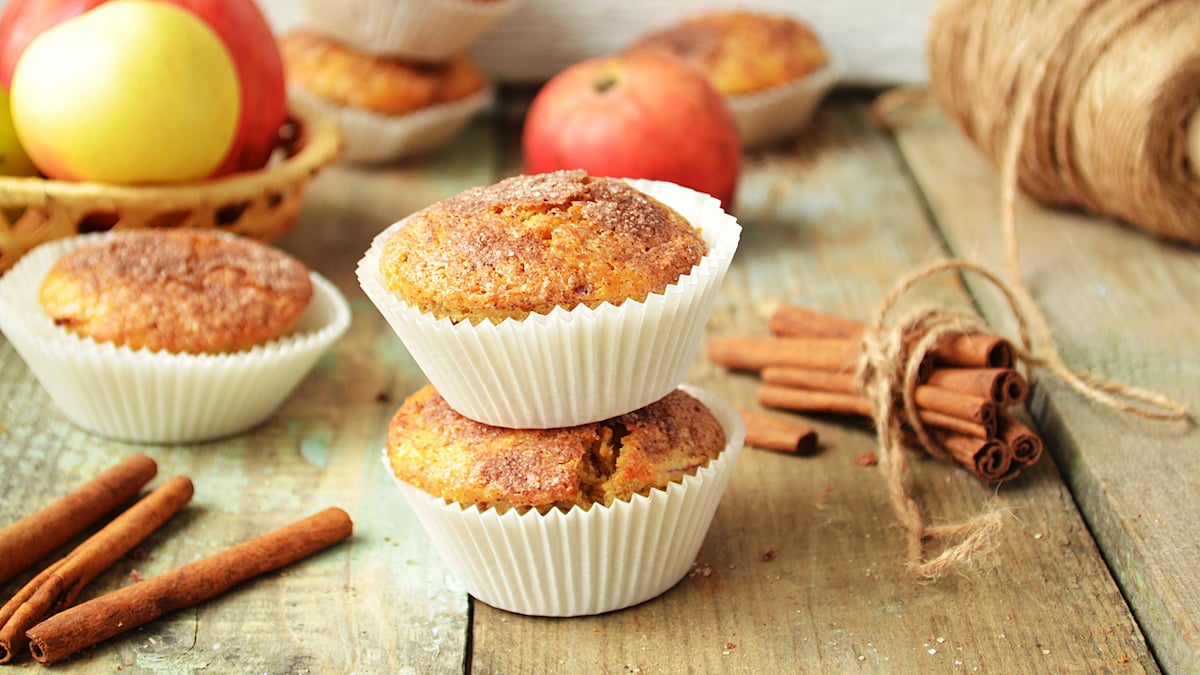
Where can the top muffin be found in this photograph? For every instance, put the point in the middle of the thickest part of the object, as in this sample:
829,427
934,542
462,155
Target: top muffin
530,243
740,51
182,291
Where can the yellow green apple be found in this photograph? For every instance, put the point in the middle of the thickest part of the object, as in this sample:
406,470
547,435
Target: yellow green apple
131,92
13,160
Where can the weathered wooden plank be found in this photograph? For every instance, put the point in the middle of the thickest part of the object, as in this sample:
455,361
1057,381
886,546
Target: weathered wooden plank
380,603
802,570
1122,305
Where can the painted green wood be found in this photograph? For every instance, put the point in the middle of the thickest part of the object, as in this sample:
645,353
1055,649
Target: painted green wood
802,570
1123,305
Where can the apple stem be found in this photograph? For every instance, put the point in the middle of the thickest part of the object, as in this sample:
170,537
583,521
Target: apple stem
604,82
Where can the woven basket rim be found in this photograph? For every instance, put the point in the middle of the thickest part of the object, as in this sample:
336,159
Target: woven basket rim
319,143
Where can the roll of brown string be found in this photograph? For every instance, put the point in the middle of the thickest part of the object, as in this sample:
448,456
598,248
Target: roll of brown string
1114,119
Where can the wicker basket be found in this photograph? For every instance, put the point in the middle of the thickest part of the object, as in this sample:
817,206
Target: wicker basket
261,204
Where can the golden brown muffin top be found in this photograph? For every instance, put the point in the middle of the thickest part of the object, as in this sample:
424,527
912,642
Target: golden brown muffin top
432,447
742,51
385,85
530,243
183,291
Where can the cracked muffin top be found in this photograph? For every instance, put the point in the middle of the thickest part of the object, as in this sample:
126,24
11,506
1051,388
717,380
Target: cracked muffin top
530,243
182,291
433,448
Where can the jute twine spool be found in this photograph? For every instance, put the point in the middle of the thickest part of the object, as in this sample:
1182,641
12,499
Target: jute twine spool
1114,124
1091,103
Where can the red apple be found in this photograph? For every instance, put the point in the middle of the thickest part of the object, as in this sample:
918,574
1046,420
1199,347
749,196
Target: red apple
645,115
242,28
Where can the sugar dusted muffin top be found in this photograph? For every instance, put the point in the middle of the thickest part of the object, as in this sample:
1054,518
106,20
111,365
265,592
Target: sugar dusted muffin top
530,243
742,51
182,291
432,447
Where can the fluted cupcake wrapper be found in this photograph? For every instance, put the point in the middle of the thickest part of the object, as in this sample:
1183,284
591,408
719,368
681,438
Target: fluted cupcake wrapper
568,367
776,113
430,30
582,561
369,137
159,397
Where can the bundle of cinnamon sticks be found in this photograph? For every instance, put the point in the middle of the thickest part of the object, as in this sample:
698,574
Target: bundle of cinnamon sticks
967,385
41,614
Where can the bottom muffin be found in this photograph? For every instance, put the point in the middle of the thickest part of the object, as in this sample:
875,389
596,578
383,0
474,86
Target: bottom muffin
578,534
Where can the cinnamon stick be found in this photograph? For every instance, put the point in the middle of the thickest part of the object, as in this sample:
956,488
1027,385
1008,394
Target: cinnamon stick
971,349
974,350
1005,386
114,613
30,539
814,401
60,588
773,432
800,321
809,378
987,458
1026,445
956,404
755,352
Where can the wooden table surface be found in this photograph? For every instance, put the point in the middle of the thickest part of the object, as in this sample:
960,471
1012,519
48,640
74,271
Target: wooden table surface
1095,569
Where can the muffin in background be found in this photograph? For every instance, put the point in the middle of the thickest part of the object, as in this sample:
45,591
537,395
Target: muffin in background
594,341
525,534
388,108
216,366
421,30
772,69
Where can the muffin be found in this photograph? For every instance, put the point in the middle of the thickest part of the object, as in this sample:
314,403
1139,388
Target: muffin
772,69
140,290
388,108
422,30
555,299
167,336
572,521
432,447
529,244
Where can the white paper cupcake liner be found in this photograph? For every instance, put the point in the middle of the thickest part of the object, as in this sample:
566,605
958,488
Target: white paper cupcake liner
157,397
771,115
568,367
371,138
582,561
427,30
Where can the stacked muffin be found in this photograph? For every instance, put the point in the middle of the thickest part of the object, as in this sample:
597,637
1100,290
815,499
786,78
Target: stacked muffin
395,75
556,461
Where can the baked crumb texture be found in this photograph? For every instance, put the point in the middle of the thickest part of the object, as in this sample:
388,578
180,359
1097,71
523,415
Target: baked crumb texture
182,291
740,51
389,86
433,448
530,243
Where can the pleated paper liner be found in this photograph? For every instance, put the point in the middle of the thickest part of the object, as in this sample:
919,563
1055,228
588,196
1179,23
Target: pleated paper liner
159,397
373,138
568,367
782,111
582,561
424,30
